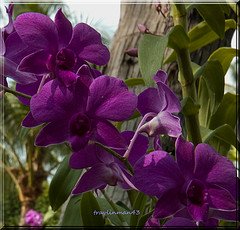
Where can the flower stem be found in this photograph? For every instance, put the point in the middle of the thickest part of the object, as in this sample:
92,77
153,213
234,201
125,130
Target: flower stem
146,116
114,208
16,93
186,77
119,157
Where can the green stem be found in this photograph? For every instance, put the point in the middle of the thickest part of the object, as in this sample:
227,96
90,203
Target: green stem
16,93
186,77
114,208
119,157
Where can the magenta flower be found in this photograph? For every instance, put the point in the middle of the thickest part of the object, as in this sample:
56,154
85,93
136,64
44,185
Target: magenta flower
33,218
12,50
200,185
106,169
60,49
163,103
80,113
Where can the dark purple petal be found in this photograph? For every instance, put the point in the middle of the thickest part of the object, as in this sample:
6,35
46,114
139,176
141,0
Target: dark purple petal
162,171
78,143
64,28
139,148
185,156
224,215
107,134
110,99
86,157
29,89
198,212
215,169
35,62
179,222
55,101
160,76
98,176
10,70
86,74
220,198
163,123
67,77
172,102
9,28
16,50
53,133
91,180
86,43
29,121
37,30
149,101
167,205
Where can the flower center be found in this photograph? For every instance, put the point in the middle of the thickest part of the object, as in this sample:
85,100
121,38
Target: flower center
195,192
80,124
65,59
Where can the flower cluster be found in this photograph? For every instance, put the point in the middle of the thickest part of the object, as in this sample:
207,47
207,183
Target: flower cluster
77,104
33,218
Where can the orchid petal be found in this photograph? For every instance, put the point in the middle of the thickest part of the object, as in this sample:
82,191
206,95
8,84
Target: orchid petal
110,99
37,30
52,133
64,28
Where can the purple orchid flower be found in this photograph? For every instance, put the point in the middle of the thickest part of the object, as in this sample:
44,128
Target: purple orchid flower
33,218
60,49
106,169
161,102
12,50
201,184
80,113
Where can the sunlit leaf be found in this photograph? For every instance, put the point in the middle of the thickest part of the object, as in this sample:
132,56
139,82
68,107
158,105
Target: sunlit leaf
151,51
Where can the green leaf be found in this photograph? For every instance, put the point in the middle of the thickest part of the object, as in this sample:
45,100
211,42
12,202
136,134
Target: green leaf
131,82
211,90
144,219
151,52
224,55
226,112
224,133
89,204
200,36
189,107
139,204
214,16
105,206
62,184
178,39
72,214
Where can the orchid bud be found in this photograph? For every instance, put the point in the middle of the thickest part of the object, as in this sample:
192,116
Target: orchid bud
143,29
132,52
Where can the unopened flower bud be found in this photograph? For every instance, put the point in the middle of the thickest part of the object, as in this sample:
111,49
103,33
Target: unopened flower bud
143,29
132,52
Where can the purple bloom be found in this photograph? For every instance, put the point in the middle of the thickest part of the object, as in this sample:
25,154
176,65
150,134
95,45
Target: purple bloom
80,113
106,169
33,218
60,49
201,184
162,102
12,50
